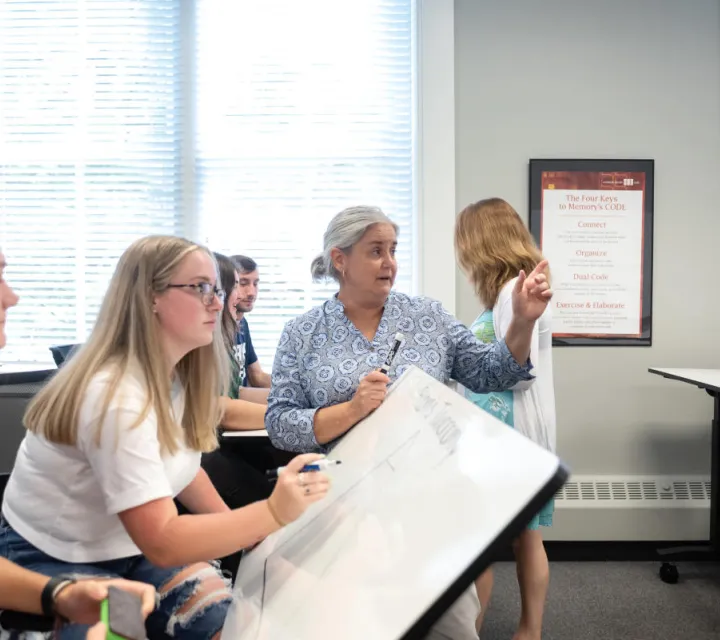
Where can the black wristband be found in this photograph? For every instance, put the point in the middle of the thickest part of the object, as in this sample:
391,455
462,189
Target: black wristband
51,590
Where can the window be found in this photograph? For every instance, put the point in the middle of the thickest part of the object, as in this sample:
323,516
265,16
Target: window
302,109
90,132
247,131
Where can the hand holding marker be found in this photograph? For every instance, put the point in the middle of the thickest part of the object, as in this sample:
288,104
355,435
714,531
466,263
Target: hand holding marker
295,490
373,387
320,465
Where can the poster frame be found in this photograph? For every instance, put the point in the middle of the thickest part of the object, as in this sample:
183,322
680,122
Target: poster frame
537,167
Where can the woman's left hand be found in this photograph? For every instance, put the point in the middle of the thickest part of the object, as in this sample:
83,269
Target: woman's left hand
531,294
80,602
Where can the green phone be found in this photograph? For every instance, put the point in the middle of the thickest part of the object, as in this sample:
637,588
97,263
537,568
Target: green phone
121,613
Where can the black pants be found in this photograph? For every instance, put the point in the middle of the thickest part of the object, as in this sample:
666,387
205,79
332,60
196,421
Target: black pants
237,470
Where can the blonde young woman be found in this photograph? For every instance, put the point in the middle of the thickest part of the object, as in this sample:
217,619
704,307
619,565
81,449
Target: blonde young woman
492,246
118,433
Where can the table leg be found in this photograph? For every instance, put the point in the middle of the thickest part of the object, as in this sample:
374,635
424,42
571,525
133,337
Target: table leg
668,570
715,477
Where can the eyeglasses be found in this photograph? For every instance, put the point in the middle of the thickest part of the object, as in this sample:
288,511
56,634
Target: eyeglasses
206,291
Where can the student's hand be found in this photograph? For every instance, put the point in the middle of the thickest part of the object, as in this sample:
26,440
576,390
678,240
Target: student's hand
97,632
80,602
531,294
370,394
295,491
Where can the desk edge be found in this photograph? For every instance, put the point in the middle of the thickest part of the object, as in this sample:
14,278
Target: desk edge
669,376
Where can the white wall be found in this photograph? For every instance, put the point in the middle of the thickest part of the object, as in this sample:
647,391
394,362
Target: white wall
618,78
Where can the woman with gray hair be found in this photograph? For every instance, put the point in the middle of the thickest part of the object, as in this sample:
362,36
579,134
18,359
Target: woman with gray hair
325,376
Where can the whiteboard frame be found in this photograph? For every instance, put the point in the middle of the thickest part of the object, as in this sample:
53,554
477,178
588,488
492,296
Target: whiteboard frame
489,556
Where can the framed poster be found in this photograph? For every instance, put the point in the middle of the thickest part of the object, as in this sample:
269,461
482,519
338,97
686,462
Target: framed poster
593,220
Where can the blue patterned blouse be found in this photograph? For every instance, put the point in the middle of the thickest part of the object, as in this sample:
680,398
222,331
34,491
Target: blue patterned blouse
322,357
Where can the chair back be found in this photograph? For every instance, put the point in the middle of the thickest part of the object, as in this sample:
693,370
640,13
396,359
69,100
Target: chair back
62,353
4,477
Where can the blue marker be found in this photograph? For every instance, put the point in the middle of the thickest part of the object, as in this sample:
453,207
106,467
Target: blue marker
273,474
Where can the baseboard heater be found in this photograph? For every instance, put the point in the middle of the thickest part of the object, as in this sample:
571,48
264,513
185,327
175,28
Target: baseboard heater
632,508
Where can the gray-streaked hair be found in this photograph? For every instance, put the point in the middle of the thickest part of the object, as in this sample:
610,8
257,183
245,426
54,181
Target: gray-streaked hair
345,229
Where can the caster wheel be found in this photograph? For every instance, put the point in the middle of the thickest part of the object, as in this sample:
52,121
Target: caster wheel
669,573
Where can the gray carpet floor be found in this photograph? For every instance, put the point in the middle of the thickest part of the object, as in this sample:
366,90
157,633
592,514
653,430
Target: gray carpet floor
614,600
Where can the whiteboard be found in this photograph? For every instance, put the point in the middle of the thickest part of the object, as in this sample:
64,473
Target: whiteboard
430,487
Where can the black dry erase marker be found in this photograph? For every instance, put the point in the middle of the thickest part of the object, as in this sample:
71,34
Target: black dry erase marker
399,337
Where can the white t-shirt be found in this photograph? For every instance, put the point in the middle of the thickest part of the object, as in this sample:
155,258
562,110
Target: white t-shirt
64,500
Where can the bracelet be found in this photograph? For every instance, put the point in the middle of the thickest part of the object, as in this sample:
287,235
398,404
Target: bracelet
52,590
274,514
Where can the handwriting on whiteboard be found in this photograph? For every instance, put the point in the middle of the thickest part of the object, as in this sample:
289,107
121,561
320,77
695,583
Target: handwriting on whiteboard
437,414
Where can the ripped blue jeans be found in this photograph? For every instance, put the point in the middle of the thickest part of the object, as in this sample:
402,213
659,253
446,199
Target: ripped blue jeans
199,622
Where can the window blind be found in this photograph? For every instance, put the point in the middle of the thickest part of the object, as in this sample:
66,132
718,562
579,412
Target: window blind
90,154
302,109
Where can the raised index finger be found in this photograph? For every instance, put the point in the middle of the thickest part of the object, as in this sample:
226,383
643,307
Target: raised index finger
540,269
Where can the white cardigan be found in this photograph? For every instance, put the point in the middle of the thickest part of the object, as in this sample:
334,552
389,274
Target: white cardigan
533,400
